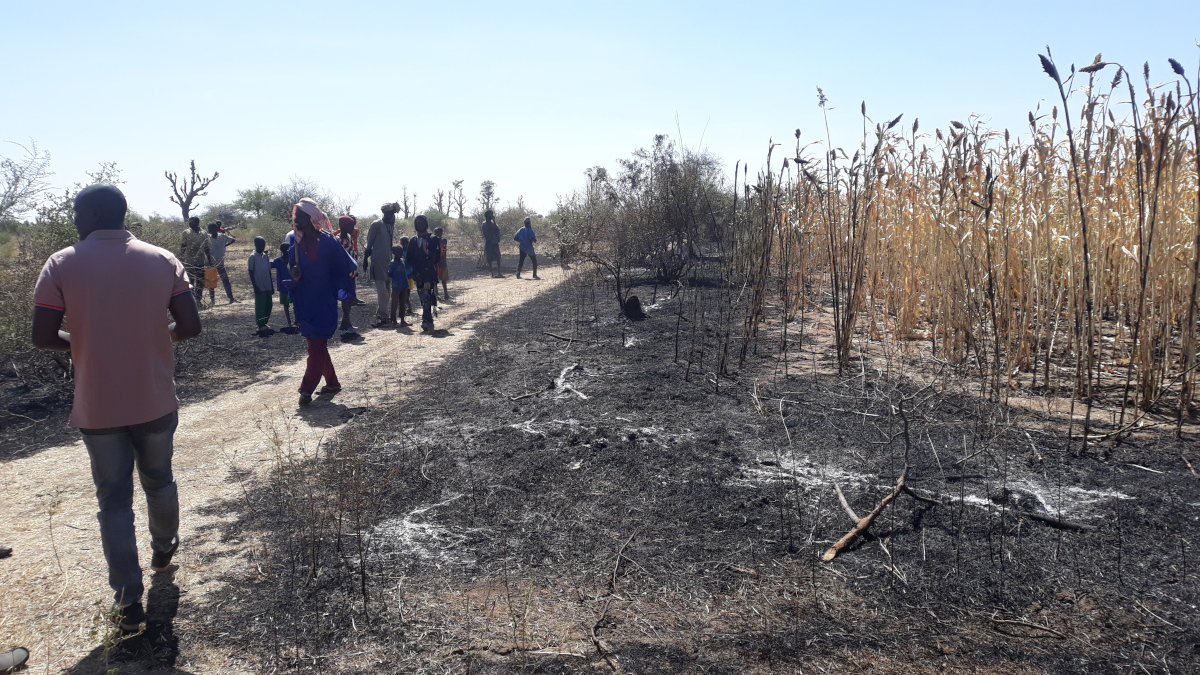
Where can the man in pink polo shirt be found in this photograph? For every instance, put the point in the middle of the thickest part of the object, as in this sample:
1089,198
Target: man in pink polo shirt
114,291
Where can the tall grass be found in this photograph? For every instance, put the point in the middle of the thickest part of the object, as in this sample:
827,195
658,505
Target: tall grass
1065,261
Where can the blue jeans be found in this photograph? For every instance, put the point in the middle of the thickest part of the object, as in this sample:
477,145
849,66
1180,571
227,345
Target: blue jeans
114,454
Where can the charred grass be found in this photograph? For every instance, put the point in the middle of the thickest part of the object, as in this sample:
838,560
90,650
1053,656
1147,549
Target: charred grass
584,501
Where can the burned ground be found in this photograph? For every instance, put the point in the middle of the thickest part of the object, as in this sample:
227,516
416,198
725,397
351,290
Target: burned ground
560,497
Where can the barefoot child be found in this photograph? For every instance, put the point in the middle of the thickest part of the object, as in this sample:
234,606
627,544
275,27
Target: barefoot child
283,275
260,279
347,234
398,273
443,264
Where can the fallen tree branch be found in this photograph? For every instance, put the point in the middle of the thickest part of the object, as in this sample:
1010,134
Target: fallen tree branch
863,523
567,339
1058,522
912,493
1189,465
846,505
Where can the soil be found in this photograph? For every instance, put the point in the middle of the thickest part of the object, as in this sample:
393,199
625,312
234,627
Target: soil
553,488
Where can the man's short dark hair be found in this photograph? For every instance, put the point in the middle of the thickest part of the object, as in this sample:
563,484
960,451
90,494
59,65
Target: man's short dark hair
284,247
489,214
421,222
108,202
193,221
258,239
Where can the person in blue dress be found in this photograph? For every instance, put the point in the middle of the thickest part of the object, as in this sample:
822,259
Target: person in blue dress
319,267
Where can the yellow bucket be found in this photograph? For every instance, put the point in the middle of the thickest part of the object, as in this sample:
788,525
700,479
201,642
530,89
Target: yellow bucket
211,277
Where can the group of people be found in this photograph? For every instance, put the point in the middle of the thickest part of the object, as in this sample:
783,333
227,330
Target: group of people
124,400
318,270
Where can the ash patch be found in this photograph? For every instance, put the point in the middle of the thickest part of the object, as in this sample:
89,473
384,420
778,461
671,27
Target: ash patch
413,536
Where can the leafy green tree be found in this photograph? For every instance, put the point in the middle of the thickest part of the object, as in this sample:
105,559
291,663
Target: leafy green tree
255,200
56,217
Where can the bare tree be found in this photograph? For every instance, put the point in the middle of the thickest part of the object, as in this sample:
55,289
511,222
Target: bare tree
23,181
458,199
188,189
487,195
404,205
439,201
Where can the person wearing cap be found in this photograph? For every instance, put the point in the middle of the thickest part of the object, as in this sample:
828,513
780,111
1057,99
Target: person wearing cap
377,256
527,239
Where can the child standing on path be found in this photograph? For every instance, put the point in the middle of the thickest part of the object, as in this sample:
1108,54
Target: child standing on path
406,307
527,239
348,236
423,255
282,275
398,273
260,279
124,403
443,264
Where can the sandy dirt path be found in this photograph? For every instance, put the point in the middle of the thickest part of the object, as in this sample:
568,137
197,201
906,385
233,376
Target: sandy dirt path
55,584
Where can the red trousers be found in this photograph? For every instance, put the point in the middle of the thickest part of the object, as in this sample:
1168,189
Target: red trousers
319,365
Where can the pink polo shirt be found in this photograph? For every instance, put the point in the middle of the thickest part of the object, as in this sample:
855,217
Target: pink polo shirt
115,291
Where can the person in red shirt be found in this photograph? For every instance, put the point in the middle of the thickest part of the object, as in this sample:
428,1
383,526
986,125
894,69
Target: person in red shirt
116,292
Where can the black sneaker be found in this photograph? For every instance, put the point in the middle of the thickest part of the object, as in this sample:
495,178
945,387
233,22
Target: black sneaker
305,399
131,618
161,560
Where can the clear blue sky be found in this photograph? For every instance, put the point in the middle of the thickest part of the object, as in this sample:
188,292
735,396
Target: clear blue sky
366,97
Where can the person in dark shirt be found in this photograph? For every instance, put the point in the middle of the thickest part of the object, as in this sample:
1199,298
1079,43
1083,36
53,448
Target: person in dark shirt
423,254
280,266
398,273
491,241
527,239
